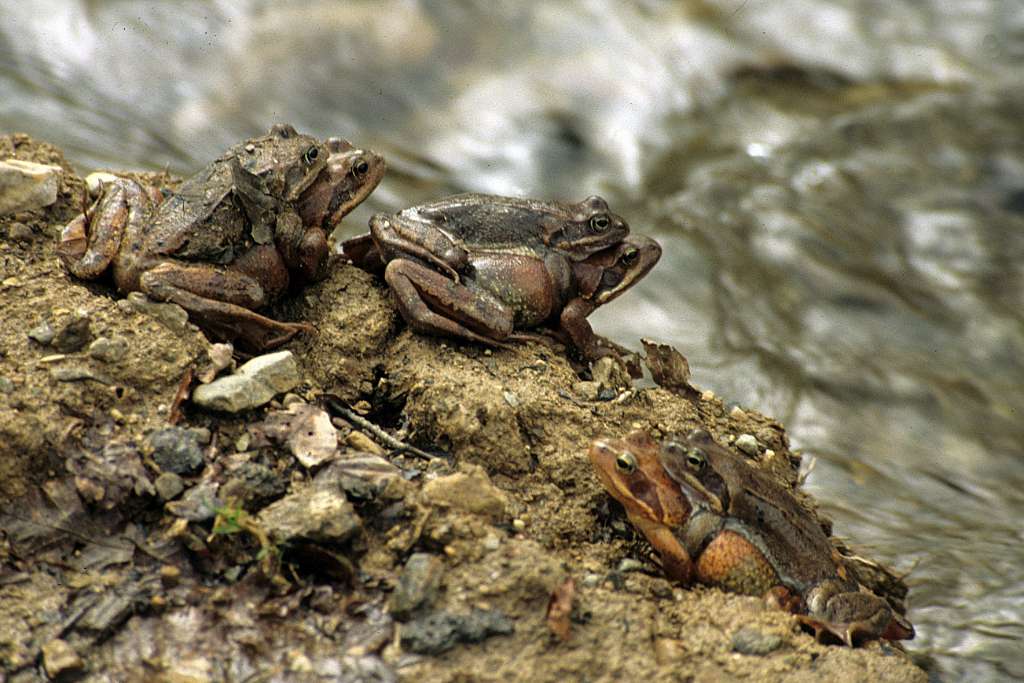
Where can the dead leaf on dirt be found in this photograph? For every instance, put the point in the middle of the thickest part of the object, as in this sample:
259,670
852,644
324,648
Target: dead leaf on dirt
305,429
560,608
220,358
668,367
108,477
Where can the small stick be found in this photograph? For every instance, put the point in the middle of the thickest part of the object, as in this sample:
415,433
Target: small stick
376,432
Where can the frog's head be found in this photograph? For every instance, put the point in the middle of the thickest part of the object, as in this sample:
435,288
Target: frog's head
589,227
605,275
348,177
687,459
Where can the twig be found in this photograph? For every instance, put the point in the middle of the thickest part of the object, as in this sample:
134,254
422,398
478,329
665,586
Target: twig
378,434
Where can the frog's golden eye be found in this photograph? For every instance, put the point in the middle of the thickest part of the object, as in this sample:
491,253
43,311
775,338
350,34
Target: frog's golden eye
360,168
695,459
630,256
600,222
311,154
626,462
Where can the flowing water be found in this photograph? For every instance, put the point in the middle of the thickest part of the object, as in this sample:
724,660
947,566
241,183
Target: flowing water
838,186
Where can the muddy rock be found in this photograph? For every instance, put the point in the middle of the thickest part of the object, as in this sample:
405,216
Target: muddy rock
60,661
175,450
441,631
313,512
752,641
417,586
469,490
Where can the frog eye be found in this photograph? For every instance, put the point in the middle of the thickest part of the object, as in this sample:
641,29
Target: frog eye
629,257
360,168
695,459
311,154
600,222
626,462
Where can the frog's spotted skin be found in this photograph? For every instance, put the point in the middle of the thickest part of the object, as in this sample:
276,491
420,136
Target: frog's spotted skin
743,532
235,235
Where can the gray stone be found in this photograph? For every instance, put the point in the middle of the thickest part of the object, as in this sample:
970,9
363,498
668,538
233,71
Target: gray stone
748,444
73,334
751,641
439,632
199,504
42,333
26,185
253,484
175,449
418,585
109,350
253,385
169,486
628,564
316,513
60,659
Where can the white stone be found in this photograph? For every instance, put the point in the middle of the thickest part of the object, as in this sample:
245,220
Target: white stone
26,185
252,385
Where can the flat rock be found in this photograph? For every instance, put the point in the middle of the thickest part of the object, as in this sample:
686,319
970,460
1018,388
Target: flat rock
252,385
26,186
470,491
312,512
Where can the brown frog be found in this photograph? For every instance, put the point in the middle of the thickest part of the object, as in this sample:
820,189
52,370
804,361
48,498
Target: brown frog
446,233
746,533
505,290
234,237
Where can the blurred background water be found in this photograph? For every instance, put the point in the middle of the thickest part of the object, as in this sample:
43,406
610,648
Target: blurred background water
838,186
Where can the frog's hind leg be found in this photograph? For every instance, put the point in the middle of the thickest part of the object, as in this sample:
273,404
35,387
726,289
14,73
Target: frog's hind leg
432,303
221,302
92,239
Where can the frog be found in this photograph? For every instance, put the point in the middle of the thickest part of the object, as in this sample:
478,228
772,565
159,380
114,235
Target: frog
506,291
233,238
445,233
746,533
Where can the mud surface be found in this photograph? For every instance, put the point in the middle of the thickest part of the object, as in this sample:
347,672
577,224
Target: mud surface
228,559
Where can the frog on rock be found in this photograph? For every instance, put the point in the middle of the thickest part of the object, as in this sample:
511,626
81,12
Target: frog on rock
488,268
234,237
724,522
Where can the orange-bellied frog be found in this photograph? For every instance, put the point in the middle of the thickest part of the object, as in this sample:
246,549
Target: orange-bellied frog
504,291
234,237
747,534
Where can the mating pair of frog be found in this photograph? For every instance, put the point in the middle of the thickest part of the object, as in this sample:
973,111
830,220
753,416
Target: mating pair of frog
715,518
254,222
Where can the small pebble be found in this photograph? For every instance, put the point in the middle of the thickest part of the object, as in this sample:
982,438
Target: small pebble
242,443
6,385
518,524
108,350
361,442
752,641
19,232
707,395
511,399
628,564
737,413
591,581
42,333
175,450
169,486
169,575
60,659
747,443
491,543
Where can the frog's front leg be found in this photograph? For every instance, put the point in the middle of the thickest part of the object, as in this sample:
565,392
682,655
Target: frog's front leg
92,239
433,303
851,616
220,300
418,240
573,322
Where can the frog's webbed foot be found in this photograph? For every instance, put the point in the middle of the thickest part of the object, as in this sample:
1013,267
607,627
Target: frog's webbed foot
91,240
221,302
854,618
434,304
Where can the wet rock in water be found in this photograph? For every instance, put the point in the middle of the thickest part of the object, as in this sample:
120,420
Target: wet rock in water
470,491
752,641
60,661
314,512
19,232
108,350
418,585
171,316
175,449
748,444
168,486
252,485
253,385
441,631
26,185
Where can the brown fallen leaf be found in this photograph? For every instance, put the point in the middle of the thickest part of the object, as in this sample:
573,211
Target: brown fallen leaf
668,367
560,608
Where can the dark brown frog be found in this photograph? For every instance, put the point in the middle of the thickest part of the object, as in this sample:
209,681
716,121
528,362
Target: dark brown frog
234,237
